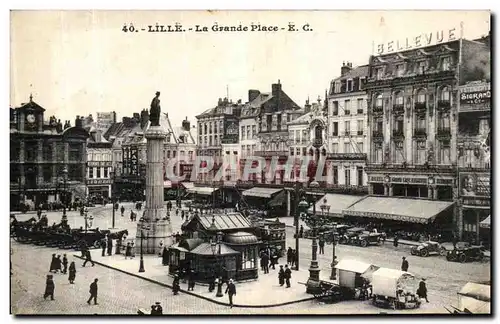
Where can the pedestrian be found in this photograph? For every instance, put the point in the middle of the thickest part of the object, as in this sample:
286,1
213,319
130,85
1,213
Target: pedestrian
128,251
295,258
160,248
65,264
58,264
49,287
176,285
88,258
156,309
396,240
265,262
131,215
53,263
211,285
422,290
103,245
110,245
231,291
72,272
289,254
93,292
177,212
321,244
301,231
281,276
404,265
182,214
191,282
288,275
122,210
164,256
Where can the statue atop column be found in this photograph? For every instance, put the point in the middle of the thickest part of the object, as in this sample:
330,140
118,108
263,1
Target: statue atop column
154,113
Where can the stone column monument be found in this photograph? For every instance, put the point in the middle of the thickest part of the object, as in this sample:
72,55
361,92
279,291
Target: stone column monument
154,228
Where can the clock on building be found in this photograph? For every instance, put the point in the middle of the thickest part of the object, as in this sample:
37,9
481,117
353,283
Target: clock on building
30,118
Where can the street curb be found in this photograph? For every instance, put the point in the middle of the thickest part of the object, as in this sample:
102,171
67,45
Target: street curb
196,295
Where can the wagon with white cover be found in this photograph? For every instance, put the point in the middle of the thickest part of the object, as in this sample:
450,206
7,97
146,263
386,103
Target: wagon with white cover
395,289
354,278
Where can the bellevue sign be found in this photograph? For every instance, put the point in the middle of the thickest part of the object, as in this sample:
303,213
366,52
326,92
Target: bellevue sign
425,39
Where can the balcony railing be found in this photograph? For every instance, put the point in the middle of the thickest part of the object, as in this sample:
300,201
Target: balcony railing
377,134
398,133
335,112
346,156
398,107
318,142
444,131
378,109
443,104
420,132
360,132
360,111
420,105
347,112
271,153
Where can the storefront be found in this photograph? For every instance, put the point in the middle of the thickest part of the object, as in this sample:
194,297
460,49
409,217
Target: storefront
99,188
404,214
272,200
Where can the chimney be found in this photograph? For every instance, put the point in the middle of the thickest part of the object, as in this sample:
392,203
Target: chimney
219,103
307,106
252,94
114,117
346,68
186,125
144,117
276,89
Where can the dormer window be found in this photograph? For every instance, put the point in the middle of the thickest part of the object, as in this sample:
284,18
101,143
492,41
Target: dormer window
445,63
400,69
337,87
349,86
422,67
379,72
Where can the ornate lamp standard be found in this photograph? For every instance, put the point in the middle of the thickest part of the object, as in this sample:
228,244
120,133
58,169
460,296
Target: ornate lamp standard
325,209
298,194
314,267
64,218
215,245
141,263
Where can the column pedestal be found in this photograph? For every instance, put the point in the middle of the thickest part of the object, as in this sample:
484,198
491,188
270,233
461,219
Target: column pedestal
153,227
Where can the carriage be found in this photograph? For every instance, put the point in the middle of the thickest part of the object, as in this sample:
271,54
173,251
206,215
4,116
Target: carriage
395,289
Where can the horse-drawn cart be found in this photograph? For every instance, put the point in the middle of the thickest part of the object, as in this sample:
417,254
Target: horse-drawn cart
324,291
395,289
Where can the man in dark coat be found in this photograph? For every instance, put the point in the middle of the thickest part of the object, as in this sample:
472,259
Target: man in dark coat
122,210
289,254
93,292
103,245
88,258
156,309
191,282
72,272
265,262
396,240
422,290
58,265
288,275
53,263
49,288
110,245
321,244
231,291
176,285
164,256
281,276
404,265
65,264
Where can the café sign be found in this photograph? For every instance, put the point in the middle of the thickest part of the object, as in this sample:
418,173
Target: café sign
475,94
424,39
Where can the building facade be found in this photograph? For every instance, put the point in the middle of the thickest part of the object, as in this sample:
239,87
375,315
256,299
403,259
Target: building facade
40,154
347,121
100,172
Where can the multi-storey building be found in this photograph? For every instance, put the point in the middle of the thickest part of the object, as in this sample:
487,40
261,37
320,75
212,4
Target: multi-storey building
105,120
347,117
47,159
412,121
217,126
99,165
248,139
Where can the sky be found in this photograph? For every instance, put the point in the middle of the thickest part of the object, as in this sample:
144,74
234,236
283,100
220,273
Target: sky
81,62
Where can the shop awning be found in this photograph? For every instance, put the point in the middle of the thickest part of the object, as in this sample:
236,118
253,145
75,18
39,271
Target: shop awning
399,209
202,190
486,223
278,200
335,204
167,184
476,291
206,249
187,185
226,221
261,192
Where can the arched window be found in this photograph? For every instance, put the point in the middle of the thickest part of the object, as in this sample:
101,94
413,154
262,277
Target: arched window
318,133
398,98
445,94
421,96
378,100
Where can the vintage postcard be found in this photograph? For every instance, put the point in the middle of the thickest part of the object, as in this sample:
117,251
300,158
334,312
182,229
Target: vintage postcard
250,162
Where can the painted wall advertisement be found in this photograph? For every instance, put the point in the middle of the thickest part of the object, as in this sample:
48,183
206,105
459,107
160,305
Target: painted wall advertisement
231,131
475,185
475,96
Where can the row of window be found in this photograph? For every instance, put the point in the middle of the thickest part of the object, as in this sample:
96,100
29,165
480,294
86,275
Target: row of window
346,107
420,123
420,67
211,140
75,152
99,157
99,172
444,94
248,150
214,127
349,85
248,132
420,153
173,154
360,125
75,173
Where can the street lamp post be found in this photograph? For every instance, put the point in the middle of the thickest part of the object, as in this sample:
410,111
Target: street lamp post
112,176
325,208
298,193
65,178
215,245
141,263
314,267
